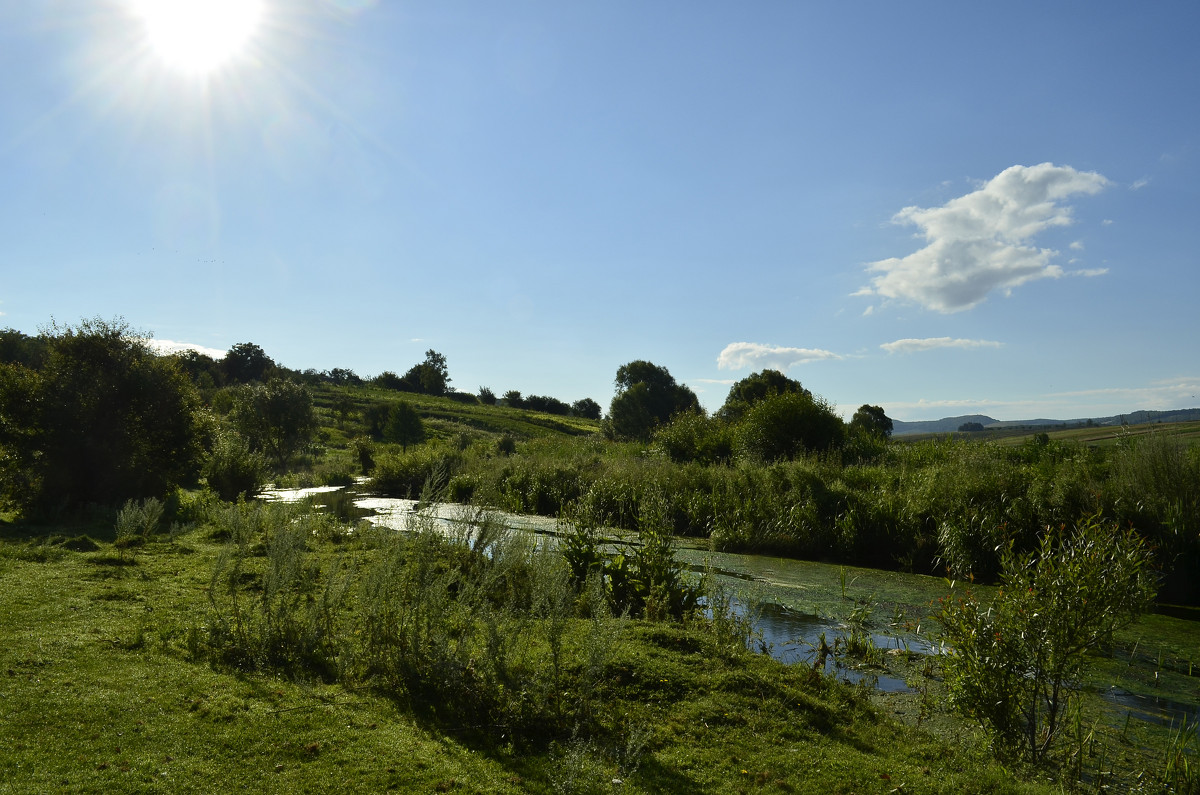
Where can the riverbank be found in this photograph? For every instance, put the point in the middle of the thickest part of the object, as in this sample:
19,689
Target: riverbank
105,688
100,693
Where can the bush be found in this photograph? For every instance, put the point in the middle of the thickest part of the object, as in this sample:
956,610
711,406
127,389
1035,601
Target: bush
1013,664
233,470
691,436
137,521
788,425
405,474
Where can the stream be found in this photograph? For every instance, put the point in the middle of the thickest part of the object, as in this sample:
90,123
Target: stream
791,604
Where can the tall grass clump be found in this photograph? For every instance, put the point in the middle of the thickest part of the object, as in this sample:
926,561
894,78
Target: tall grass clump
289,620
137,521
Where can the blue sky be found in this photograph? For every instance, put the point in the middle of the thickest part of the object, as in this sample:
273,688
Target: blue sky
939,208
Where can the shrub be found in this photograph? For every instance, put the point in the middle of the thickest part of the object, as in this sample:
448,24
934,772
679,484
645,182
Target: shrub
233,470
137,521
1013,664
691,436
787,425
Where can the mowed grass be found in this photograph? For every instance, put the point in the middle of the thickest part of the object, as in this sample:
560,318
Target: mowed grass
99,693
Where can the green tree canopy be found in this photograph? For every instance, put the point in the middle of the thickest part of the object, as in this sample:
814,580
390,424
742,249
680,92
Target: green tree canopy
872,420
755,388
430,377
788,425
277,417
103,420
586,408
246,362
647,396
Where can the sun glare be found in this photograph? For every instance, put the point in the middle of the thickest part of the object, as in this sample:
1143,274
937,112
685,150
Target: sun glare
198,36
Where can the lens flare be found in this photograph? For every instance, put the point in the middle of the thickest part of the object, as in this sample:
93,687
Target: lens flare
198,36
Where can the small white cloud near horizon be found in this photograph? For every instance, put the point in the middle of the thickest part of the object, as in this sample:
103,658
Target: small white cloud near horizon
744,355
979,243
930,343
170,346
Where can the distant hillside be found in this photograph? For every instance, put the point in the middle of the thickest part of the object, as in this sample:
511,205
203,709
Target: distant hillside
944,425
949,424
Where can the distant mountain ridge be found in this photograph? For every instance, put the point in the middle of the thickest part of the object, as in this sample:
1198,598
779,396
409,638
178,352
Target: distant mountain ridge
948,424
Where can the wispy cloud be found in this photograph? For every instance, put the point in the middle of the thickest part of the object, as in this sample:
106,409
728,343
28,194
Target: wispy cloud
170,346
1155,395
930,343
1139,184
980,243
743,355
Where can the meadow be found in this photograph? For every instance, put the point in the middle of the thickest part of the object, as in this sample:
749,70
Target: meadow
185,644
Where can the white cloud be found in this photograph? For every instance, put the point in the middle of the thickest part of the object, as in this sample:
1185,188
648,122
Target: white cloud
1077,245
742,355
1141,183
930,343
170,346
979,243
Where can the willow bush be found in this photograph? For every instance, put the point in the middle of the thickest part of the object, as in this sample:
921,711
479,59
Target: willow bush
1013,664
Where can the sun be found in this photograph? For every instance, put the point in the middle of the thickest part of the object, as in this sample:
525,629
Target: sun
198,36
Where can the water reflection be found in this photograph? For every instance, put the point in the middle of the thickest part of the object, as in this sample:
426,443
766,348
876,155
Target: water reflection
1153,709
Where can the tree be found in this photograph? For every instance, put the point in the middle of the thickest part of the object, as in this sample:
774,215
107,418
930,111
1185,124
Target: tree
872,420
512,399
19,348
486,396
388,380
430,377
206,372
1014,664
103,420
404,426
647,396
970,427
549,405
342,376
277,418
788,425
246,362
755,388
586,408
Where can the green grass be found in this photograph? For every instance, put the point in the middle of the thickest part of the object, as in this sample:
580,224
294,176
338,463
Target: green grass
99,693
1099,436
